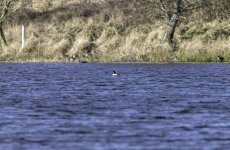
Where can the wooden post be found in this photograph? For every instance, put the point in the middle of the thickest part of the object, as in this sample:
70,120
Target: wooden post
23,36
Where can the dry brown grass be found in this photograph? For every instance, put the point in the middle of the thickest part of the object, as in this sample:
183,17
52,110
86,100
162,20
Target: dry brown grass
56,29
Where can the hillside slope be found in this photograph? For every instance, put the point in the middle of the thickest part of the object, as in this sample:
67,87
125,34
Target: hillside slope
58,30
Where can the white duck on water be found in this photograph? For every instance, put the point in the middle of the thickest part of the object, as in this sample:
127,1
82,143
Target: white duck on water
115,73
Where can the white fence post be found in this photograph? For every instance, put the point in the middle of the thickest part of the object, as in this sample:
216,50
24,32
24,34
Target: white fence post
23,36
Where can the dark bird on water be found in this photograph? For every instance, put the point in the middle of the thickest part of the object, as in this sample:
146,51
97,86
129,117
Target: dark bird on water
115,73
220,58
84,62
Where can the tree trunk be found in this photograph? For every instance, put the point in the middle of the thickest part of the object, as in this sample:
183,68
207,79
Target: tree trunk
172,21
172,18
2,34
6,10
171,27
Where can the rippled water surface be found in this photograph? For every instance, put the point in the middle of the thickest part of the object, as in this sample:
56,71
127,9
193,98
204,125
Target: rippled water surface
82,106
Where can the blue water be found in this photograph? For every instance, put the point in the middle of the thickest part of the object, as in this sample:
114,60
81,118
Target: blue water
82,106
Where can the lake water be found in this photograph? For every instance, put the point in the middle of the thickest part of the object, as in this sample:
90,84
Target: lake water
82,106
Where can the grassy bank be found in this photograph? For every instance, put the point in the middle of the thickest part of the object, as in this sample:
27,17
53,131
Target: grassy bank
58,30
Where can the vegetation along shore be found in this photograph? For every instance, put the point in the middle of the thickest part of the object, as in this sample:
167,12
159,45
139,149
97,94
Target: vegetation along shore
115,30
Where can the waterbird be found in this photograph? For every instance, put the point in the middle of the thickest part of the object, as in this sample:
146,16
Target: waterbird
115,73
220,58
83,62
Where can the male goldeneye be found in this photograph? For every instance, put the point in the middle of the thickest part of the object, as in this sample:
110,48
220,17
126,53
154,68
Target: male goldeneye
115,73
220,58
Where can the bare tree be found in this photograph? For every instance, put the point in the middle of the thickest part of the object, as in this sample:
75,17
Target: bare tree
172,11
216,9
172,16
6,8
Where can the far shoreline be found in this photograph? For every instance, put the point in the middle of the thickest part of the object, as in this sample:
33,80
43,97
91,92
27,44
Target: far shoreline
111,62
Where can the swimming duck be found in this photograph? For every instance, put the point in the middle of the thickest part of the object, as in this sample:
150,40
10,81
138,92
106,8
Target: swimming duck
220,58
83,62
115,73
